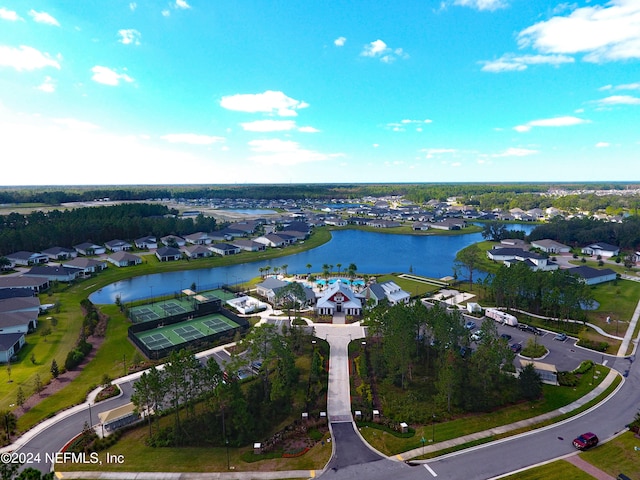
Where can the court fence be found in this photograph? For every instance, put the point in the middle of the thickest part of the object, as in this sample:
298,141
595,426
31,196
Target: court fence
194,345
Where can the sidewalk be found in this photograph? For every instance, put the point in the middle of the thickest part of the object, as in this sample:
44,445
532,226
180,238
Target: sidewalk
502,429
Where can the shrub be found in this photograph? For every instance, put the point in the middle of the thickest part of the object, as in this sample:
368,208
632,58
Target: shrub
584,367
567,379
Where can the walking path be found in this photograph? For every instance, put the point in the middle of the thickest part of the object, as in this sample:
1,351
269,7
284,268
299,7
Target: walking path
588,468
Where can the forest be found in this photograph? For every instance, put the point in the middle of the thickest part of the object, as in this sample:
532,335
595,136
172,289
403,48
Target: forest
38,231
425,353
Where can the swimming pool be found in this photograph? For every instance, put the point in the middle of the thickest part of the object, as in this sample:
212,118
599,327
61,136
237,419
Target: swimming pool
348,281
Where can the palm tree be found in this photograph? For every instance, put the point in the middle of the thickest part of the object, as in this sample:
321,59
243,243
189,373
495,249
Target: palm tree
267,269
276,270
261,270
339,265
352,268
325,270
309,268
284,268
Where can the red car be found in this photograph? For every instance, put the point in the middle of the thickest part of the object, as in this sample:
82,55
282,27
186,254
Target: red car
586,440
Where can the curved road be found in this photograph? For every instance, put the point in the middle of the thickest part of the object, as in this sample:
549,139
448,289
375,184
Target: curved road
354,459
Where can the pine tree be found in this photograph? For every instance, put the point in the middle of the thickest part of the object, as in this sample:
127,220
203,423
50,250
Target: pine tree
55,371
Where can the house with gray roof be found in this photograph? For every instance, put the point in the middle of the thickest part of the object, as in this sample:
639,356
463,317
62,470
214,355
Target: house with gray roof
27,258
248,245
124,259
118,245
511,256
593,276
60,253
146,243
269,288
550,246
389,291
86,265
168,254
54,273
10,344
168,240
601,249
224,249
197,251
33,284
339,298
89,249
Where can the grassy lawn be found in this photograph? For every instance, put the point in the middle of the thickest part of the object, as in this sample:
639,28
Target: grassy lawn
138,457
617,456
116,347
415,288
558,470
554,398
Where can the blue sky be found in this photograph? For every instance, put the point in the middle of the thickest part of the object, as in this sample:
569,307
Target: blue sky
201,91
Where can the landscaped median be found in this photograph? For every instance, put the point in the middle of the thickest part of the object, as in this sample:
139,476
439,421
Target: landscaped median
460,433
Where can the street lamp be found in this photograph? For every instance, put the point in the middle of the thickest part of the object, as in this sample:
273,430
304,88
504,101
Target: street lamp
433,429
226,442
90,420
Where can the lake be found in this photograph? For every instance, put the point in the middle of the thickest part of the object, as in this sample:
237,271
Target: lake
426,255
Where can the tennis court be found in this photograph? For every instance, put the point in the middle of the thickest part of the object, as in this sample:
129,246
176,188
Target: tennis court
172,308
187,331
162,309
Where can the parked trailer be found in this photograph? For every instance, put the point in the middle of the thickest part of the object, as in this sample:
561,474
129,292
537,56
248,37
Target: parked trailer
502,317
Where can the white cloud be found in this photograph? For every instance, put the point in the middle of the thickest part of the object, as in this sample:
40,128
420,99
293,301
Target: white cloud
75,124
379,49
340,41
402,124
107,76
515,152
283,152
308,129
182,4
43,17
602,144
510,62
603,32
438,152
565,121
129,36
269,126
25,58
9,15
166,13
133,6
271,102
48,85
192,138
482,4
619,100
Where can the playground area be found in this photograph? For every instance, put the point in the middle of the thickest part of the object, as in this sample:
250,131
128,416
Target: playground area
164,337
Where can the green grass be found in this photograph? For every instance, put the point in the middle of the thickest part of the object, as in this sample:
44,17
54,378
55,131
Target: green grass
415,288
617,456
558,470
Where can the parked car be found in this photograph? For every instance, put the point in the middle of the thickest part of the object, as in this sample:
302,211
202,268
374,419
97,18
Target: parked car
561,337
534,330
470,325
516,347
477,335
523,326
586,440
505,336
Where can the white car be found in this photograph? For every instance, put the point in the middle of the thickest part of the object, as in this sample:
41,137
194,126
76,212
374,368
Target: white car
476,335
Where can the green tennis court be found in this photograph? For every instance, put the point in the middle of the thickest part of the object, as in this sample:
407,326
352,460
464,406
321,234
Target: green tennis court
187,331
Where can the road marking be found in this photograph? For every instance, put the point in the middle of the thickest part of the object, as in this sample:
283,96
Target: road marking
605,363
430,470
312,473
399,457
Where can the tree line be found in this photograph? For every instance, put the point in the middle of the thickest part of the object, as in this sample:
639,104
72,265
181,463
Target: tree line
427,351
38,231
210,406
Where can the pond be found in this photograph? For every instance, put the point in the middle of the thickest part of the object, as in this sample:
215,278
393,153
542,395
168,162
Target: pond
427,255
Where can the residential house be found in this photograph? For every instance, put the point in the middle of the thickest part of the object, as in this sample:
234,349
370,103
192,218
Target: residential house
146,243
87,266
197,251
272,240
335,221
173,241
224,249
550,246
593,276
510,256
168,254
249,245
420,226
124,259
27,258
89,249
33,284
605,250
54,273
19,314
198,238
450,224
60,253
339,298
382,223
10,344
118,245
